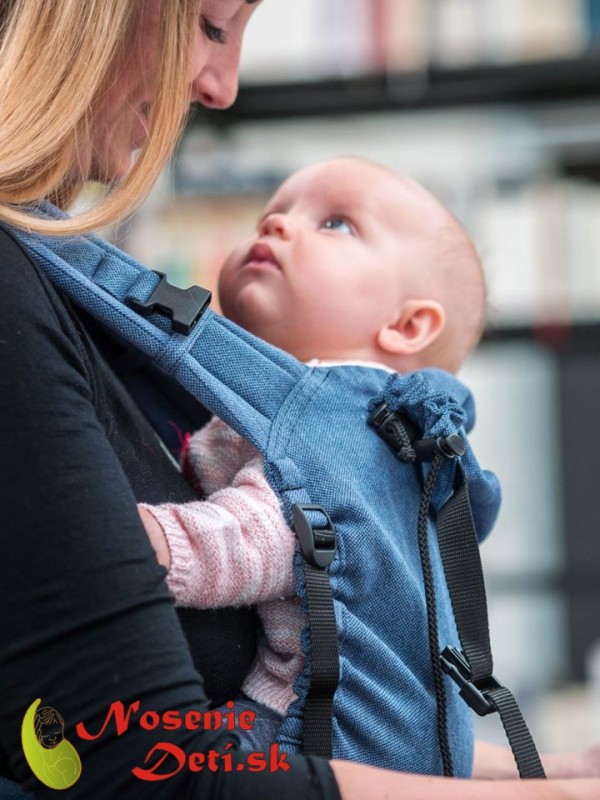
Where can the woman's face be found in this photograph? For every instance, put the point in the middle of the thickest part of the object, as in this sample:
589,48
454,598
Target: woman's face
121,122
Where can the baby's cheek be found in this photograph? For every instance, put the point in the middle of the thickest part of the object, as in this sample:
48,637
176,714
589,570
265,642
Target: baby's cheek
223,287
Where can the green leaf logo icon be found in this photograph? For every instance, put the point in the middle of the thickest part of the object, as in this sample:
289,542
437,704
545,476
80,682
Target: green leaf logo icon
53,760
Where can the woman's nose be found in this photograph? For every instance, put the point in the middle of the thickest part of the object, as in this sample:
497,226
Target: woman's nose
277,225
216,83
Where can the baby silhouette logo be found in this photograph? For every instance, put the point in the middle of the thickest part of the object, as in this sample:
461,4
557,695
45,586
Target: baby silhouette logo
53,760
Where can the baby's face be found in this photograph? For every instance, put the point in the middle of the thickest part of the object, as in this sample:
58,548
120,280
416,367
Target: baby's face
338,249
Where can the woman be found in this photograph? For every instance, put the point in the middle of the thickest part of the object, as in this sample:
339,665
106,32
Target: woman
87,624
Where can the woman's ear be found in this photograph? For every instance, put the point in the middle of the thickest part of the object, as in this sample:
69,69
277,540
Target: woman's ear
419,324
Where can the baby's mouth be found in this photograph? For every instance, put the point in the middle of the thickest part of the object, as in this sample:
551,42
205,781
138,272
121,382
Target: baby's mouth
261,255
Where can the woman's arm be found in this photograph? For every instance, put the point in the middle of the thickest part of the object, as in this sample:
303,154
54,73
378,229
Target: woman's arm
357,782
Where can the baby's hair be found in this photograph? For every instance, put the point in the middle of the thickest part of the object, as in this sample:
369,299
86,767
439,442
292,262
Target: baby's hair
458,257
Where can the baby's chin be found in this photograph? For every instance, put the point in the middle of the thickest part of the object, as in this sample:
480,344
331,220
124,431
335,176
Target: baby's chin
229,310
251,310
245,320
260,328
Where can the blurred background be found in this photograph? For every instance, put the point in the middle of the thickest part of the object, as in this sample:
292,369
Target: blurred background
495,106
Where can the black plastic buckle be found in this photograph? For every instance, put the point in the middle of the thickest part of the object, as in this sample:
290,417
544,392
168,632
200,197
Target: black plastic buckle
455,665
183,306
383,420
452,446
318,545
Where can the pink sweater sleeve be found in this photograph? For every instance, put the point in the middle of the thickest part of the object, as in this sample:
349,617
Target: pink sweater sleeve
234,548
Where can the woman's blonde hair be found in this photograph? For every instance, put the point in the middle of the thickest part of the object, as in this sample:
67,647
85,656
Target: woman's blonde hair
57,59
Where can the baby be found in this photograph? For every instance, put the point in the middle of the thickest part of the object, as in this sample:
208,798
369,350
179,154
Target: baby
350,263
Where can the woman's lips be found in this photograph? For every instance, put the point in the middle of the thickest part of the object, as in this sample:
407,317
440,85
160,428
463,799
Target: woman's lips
261,256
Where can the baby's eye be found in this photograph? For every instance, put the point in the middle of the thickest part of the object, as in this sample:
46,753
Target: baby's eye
337,224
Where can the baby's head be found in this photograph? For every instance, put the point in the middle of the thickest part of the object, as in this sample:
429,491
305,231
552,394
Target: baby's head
351,261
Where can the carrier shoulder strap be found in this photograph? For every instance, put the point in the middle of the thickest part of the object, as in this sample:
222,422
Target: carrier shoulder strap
209,355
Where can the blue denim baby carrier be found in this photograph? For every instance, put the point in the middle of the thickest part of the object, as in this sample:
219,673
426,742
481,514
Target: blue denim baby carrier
349,450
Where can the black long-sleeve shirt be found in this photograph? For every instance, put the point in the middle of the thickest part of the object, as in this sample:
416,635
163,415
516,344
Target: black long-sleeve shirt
86,617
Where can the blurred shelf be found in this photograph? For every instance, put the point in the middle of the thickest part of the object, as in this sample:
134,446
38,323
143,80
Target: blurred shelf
561,336
574,166
435,87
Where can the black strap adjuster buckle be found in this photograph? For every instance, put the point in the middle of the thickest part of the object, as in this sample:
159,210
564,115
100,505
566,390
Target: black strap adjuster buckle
396,430
456,666
318,545
452,446
183,306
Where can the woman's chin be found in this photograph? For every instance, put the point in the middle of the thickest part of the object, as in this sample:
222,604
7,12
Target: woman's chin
113,169
122,166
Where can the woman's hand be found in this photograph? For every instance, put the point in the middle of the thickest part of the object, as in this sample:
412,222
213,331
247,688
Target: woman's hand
157,537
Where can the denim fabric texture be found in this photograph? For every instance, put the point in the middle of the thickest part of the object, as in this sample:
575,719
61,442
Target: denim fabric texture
264,729
311,425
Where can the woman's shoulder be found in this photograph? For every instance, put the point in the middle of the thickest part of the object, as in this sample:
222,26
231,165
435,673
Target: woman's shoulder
14,259
38,330
29,303
25,291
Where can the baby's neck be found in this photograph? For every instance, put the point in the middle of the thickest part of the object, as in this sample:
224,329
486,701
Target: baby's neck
361,357
326,362
369,358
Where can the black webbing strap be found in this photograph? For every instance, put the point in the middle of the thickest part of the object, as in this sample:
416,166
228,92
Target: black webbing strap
318,546
471,668
464,576
519,737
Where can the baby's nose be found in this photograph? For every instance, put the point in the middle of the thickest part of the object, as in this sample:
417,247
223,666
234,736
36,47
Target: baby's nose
277,225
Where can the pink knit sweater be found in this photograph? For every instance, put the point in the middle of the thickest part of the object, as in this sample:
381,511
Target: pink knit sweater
234,549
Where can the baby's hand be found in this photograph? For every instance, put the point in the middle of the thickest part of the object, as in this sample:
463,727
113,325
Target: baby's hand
157,537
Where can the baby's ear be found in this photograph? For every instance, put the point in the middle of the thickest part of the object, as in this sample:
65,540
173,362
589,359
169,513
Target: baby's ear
418,325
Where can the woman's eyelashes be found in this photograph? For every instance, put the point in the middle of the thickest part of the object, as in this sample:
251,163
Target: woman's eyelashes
338,224
212,33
